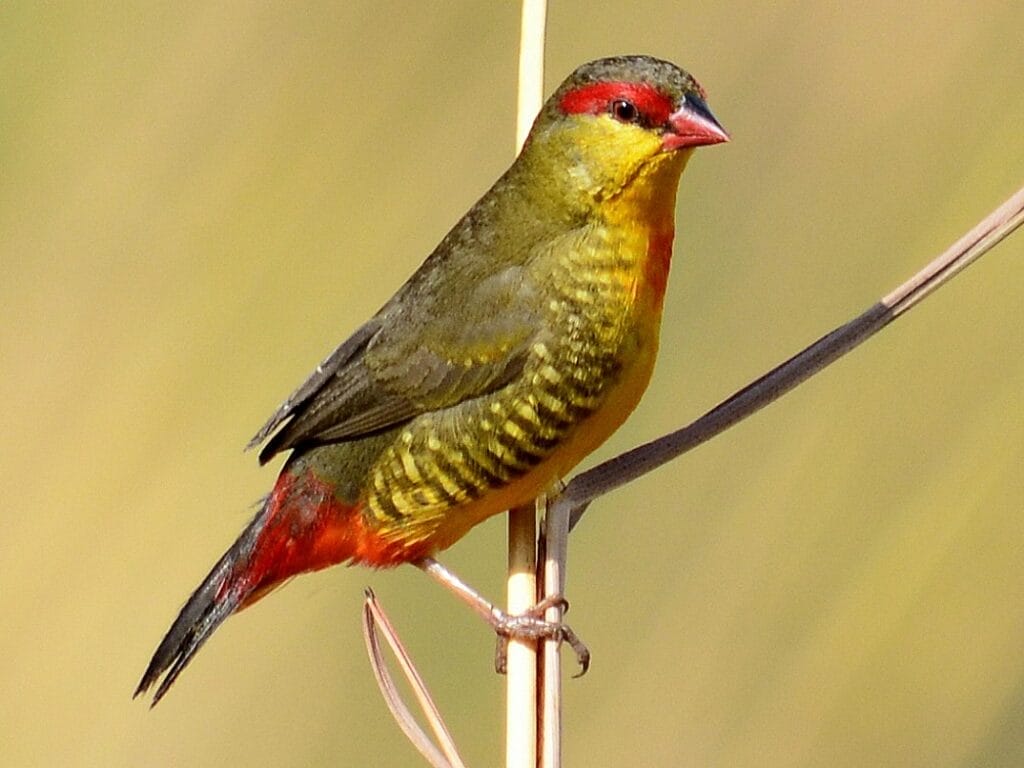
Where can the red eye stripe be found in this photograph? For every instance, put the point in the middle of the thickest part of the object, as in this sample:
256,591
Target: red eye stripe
594,99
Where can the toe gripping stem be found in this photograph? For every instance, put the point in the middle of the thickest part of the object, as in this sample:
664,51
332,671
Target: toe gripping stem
529,625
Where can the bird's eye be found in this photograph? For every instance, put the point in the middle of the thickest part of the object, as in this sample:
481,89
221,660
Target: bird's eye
624,111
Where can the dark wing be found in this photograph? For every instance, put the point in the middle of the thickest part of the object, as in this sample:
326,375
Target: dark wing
427,349
335,364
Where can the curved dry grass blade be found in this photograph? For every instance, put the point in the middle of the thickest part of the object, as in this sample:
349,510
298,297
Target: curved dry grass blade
375,619
630,465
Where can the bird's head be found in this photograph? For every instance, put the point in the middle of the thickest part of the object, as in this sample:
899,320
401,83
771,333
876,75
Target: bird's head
627,123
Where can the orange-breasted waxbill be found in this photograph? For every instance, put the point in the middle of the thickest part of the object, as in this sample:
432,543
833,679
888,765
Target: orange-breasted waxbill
521,343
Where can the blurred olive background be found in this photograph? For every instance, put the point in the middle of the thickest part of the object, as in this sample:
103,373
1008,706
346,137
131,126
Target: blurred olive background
198,201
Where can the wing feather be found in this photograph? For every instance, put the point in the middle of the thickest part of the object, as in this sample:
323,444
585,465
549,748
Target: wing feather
413,357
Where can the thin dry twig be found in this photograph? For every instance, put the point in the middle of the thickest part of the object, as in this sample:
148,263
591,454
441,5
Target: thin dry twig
632,464
444,756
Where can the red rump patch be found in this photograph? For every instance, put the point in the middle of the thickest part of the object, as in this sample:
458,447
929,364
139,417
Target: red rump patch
308,529
594,100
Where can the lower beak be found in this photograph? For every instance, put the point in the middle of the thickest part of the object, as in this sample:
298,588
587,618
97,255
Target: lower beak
693,125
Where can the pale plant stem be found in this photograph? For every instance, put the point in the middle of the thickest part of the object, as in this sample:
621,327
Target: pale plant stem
556,541
521,664
531,67
521,682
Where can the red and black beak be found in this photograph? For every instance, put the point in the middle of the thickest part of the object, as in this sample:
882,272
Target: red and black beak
692,125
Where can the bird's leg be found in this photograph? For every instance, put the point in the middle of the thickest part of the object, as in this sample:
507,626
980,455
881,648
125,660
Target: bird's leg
529,625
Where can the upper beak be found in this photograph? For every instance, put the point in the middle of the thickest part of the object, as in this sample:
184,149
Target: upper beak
693,125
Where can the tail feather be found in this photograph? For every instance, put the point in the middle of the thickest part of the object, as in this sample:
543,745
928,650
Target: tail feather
220,594
301,527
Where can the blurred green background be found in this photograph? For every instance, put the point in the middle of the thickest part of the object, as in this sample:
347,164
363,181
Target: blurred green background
198,201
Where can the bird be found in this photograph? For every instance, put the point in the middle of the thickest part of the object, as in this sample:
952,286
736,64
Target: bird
521,343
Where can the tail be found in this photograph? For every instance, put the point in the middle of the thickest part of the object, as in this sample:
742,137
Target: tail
300,527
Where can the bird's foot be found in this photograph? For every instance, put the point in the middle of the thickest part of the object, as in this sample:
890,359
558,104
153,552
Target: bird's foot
532,625
529,625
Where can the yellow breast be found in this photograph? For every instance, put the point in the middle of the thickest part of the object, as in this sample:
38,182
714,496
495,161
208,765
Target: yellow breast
450,470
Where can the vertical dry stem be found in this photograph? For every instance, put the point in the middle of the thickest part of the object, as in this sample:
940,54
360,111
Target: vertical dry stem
521,666
521,698
556,541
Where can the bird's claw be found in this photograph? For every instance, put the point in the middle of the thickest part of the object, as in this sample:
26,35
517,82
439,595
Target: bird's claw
531,625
